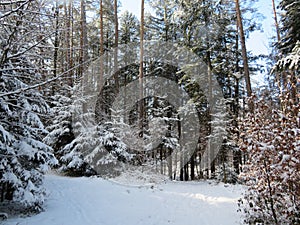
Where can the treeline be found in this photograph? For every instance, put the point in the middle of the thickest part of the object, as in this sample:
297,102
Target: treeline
68,85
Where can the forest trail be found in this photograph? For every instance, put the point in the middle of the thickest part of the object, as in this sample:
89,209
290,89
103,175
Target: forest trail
96,201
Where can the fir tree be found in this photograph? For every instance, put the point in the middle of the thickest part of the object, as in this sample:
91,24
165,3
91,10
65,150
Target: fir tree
24,157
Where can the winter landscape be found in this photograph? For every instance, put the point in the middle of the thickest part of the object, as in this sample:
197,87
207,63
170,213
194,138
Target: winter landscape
97,201
149,112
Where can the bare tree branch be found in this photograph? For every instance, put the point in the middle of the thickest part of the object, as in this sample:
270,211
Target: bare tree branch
43,83
16,9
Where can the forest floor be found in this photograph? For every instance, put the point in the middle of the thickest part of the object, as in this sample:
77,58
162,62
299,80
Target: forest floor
96,201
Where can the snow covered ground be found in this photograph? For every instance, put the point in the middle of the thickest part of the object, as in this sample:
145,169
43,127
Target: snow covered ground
95,201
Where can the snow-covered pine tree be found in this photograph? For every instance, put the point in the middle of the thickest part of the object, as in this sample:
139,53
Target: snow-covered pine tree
290,61
96,149
83,146
60,129
23,156
271,139
290,25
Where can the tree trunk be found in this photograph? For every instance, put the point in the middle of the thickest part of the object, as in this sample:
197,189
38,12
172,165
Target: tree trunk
83,39
276,21
101,45
170,169
181,167
193,167
161,160
180,154
56,44
141,71
83,49
116,46
186,172
101,72
68,56
282,81
244,53
71,40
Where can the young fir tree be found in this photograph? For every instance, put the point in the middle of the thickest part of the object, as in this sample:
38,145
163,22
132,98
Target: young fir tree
24,157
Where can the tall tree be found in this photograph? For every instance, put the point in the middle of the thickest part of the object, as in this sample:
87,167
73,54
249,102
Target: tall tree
101,43
244,51
83,39
68,42
161,25
116,44
83,53
129,26
56,39
276,21
141,70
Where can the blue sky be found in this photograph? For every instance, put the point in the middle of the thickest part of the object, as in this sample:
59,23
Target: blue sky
132,6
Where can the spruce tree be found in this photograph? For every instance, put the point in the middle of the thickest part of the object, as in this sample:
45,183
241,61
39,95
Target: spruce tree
24,157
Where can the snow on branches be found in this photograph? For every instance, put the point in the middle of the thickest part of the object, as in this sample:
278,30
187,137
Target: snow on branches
271,140
23,156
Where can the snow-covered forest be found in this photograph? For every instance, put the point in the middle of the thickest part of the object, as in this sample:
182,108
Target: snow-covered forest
100,108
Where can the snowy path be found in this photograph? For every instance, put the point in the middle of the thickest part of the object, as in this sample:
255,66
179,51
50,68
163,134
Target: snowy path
94,201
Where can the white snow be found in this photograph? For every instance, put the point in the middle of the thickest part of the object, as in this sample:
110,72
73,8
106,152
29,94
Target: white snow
97,201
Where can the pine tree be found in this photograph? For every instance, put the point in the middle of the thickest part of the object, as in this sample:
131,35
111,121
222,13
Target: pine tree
244,51
290,25
129,28
288,47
